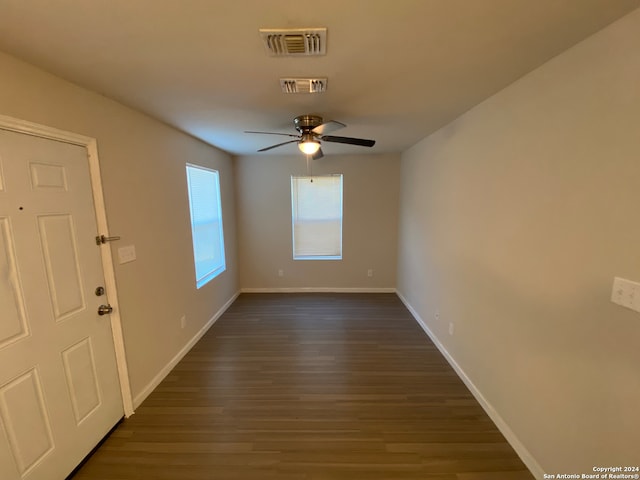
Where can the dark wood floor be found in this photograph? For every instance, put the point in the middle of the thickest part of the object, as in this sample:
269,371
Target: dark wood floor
309,387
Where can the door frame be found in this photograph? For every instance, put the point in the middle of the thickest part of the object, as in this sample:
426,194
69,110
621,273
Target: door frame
91,146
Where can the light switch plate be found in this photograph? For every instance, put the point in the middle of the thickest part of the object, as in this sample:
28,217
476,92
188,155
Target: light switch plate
126,254
626,293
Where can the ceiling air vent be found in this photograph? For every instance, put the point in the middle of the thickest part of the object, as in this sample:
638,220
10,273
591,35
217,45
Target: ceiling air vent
303,85
294,42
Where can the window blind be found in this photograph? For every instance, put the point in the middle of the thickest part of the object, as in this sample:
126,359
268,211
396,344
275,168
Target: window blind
316,204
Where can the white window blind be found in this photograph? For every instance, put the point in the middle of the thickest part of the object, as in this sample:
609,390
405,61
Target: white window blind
316,207
206,223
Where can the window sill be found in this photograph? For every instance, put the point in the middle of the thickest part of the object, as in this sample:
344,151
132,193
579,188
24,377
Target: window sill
317,257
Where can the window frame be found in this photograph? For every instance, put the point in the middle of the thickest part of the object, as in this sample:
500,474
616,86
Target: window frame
221,265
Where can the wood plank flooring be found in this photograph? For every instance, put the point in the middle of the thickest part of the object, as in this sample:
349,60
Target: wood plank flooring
309,387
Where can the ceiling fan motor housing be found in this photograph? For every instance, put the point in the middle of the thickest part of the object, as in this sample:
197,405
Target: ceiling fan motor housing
304,123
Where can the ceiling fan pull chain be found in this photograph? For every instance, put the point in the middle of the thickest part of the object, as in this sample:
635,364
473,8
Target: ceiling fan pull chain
309,169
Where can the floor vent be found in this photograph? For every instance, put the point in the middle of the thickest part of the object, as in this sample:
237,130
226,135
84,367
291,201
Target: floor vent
303,85
294,42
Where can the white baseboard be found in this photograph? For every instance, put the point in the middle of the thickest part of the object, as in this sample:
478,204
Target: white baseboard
504,428
318,290
150,387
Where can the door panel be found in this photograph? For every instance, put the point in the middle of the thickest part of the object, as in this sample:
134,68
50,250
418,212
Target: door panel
59,388
82,380
57,236
25,419
14,324
45,176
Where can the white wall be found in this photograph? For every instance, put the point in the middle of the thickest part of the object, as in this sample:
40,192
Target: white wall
370,223
514,220
143,172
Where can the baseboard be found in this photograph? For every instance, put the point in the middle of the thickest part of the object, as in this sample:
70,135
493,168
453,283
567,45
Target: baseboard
318,290
504,428
150,387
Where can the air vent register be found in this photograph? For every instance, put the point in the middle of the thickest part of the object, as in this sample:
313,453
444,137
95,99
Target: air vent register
294,42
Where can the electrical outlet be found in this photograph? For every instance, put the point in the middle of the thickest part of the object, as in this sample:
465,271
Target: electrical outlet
370,273
281,273
451,328
436,315
183,321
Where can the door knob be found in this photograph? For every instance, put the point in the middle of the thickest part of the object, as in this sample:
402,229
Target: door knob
105,309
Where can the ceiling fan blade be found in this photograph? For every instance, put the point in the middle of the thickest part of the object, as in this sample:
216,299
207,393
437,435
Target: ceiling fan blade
274,133
351,141
328,127
317,155
277,145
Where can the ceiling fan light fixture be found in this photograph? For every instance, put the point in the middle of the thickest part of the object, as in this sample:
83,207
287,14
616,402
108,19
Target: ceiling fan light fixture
309,147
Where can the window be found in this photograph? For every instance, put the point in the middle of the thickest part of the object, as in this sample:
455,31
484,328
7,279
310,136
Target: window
316,211
206,223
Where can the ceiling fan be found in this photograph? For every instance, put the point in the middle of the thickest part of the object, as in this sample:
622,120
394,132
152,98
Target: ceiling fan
312,131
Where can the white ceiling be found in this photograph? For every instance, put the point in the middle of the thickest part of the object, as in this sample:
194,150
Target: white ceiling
397,69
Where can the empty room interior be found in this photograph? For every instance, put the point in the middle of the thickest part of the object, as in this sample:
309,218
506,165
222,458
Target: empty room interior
446,288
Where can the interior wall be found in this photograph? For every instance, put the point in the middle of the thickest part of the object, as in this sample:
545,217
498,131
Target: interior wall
514,220
143,172
370,213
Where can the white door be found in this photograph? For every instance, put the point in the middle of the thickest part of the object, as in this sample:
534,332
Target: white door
59,389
